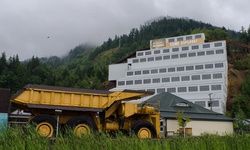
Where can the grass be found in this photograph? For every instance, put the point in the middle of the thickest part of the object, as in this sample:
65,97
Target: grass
27,139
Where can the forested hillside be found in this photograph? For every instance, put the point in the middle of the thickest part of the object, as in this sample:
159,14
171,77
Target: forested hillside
86,66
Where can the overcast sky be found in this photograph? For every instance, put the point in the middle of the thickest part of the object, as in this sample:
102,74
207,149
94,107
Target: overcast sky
45,28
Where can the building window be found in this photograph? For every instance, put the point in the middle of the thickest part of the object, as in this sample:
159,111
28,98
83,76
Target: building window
156,80
138,81
182,89
165,50
188,37
195,47
206,76
153,71
183,55
209,66
193,89
161,90
151,90
139,53
135,60
180,68
215,103
170,40
143,60
185,48
166,57
171,90
219,65
185,78
137,72
165,80
180,39
146,81
145,71
219,51
206,46
195,77
171,69
216,87
175,79
217,44
157,52
175,49
210,52
130,73
217,75
150,58
120,83
148,53
204,88
197,36
189,68
198,67
130,82
201,53
174,56
162,70
191,54
200,103
162,125
158,58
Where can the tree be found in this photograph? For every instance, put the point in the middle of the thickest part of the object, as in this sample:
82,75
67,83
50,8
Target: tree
241,102
239,120
182,121
244,35
212,34
3,62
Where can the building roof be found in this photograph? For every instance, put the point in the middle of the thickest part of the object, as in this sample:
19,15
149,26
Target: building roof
170,104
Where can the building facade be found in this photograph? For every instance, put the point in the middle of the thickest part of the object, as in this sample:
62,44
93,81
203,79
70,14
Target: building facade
186,66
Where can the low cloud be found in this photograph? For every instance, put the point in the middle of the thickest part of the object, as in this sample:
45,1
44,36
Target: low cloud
53,27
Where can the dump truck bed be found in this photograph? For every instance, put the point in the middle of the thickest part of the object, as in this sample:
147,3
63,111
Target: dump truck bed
50,97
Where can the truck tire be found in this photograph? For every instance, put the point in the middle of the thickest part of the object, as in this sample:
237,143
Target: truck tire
143,129
45,125
82,125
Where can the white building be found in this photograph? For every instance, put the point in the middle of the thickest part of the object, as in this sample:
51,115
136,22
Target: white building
185,66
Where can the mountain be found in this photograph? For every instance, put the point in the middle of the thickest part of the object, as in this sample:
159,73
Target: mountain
86,66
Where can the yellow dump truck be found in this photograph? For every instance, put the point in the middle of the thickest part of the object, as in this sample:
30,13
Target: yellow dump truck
86,111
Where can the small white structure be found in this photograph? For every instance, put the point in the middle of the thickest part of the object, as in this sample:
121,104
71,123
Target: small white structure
202,120
185,65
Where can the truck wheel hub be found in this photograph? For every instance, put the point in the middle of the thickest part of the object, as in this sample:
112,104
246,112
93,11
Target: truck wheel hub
144,133
82,129
45,129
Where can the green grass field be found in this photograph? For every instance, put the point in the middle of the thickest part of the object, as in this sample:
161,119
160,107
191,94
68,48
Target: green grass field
27,139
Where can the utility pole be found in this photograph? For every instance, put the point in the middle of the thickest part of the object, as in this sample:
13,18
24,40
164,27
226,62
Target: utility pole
210,101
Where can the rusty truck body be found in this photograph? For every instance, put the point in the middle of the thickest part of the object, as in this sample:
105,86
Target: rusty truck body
86,111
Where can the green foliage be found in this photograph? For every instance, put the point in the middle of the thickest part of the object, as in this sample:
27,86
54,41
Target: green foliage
244,35
241,103
26,138
243,64
239,119
215,34
182,121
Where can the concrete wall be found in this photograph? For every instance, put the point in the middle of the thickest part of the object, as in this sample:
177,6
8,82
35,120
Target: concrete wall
201,127
117,71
